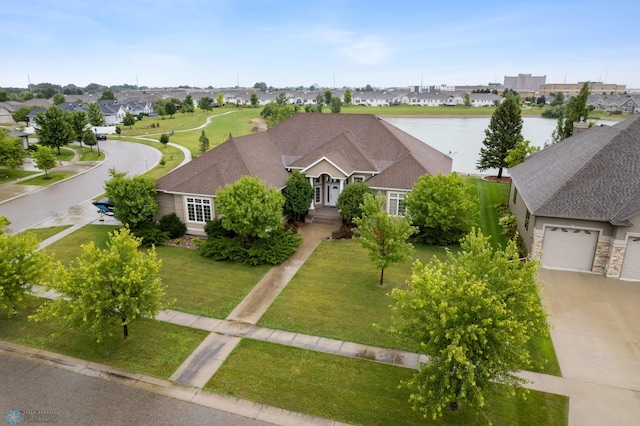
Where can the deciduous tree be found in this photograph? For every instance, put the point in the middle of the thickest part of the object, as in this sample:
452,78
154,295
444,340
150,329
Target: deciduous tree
274,113
472,315
96,117
58,98
53,128
129,120
254,100
298,195
249,209
45,159
504,132
187,104
21,266
133,198
79,121
347,97
384,235
107,288
205,103
11,152
220,99
22,114
443,208
107,95
351,199
170,108
336,105
89,138
518,154
328,95
575,111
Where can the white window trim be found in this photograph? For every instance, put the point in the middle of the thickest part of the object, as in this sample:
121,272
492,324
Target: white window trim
198,202
398,197
353,179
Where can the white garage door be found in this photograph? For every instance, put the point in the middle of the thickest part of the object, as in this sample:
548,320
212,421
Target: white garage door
567,248
631,263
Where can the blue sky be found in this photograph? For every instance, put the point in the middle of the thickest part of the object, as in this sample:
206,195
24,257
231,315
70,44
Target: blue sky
292,43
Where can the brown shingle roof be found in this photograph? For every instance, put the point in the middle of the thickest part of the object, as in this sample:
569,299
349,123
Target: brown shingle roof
352,142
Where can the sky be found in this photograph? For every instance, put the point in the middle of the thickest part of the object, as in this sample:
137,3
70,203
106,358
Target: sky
332,43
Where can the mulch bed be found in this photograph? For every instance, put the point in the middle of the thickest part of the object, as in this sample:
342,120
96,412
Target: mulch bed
503,179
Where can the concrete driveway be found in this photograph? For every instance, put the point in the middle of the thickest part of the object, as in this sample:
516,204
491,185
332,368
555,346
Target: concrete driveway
597,341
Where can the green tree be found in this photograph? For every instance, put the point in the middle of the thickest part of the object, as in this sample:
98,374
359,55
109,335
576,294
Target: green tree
21,266
107,95
443,207
118,131
351,199
45,159
518,154
472,315
281,99
261,85
503,134
384,235
11,152
21,115
347,97
133,198
576,110
79,121
89,138
328,95
558,99
96,117
204,142
319,102
59,98
336,105
187,104
4,96
467,100
205,103
164,139
129,120
249,209
254,100
170,108
107,288
298,195
53,128
159,106
274,113
220,99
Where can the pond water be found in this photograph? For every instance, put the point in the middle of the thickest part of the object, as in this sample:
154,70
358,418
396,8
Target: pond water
461,137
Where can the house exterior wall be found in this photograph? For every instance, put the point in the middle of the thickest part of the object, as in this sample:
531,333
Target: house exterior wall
324,167
519,210
619,242
176,203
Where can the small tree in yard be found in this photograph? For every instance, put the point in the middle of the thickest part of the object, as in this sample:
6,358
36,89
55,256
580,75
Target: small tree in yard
170,108
504,133
384,235
443,208
518,154
204,143
11,152
21,266
298,195
133,198
472,315
54,128
45,159
129,120
103,289
351,199
89,138
118,131
164,139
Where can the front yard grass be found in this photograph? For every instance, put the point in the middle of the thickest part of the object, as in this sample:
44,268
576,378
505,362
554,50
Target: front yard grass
490,195
44,180
45,233
356,391
7,175
154,348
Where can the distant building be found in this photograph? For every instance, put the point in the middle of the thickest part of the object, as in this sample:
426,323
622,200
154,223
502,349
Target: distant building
572,89
524,82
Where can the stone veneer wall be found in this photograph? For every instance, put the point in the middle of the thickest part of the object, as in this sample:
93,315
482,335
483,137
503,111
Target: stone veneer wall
615,261
536,246
601,259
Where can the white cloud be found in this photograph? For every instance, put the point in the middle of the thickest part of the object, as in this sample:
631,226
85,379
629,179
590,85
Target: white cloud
369,50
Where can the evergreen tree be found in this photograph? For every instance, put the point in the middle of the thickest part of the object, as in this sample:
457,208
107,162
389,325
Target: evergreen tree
576,110
298,195
503,134
204,143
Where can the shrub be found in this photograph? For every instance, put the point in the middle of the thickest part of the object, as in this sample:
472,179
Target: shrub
150,233
273,250
172,225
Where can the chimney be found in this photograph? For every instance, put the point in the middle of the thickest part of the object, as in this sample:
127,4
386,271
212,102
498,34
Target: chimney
579,127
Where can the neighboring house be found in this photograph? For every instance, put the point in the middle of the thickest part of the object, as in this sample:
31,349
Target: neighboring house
578,202
113,112
24,137
138,107
6,109
622,104
331,150
73,106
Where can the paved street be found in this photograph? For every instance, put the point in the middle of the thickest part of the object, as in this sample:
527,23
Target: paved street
26,211
70,398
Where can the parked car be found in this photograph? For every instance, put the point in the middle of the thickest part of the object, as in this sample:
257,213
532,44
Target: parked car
101,137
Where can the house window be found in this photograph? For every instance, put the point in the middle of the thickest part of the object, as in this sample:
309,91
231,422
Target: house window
318,194
396,204
198,209
515,194
358,179
526,220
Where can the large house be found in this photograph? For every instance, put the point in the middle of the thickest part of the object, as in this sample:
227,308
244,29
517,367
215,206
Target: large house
578,202
331,150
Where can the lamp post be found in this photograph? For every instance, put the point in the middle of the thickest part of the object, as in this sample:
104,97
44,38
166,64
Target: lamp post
97,141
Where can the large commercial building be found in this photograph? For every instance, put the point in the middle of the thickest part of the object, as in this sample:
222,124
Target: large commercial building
572,89
524,82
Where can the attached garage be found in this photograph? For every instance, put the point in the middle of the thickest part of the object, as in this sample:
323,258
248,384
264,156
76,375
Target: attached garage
568,248
631,264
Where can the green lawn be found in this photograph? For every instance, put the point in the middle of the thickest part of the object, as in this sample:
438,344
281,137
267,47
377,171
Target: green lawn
44,233
491,195
172,156
42,180
68,248
66,154
7,175
203,286
154,348
88,154
356,391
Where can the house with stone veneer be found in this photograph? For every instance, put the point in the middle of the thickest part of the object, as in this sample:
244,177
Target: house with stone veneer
578,202
331,150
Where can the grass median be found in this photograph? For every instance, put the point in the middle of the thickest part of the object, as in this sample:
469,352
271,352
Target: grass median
356,391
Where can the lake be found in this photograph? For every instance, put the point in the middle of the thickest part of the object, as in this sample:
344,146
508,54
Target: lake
461,137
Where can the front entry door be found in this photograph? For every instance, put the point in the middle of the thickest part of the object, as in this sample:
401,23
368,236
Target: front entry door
332,190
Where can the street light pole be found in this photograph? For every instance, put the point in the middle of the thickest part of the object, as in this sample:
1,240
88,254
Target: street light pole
97,141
